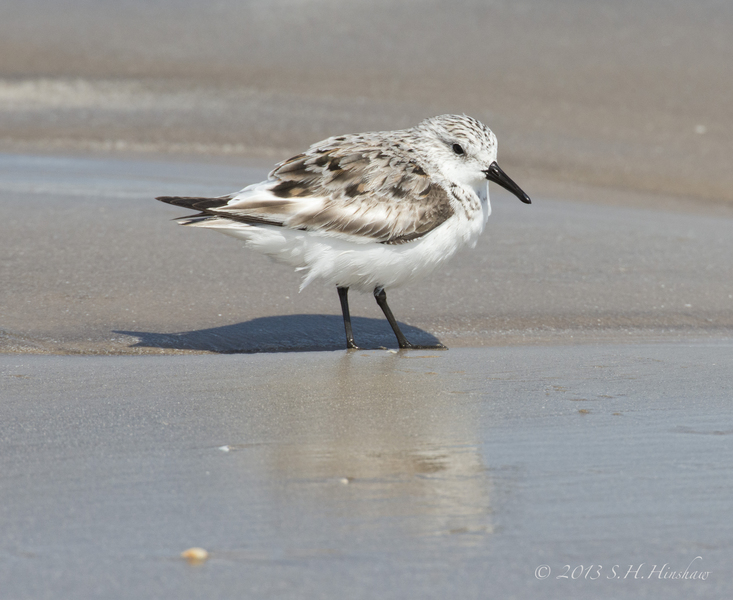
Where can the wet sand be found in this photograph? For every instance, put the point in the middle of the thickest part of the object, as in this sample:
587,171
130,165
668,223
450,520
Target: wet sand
362,474
582,415
370,474
632,95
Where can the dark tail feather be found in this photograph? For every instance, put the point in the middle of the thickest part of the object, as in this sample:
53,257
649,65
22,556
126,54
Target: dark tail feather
207,207
195,203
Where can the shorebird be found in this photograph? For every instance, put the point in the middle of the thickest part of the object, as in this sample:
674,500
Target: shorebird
368,211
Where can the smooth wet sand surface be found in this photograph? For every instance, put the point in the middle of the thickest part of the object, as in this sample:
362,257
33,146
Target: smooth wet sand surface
566,446
369,474
574,442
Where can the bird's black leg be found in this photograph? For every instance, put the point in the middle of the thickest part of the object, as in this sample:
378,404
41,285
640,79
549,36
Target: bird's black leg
344,297
381,296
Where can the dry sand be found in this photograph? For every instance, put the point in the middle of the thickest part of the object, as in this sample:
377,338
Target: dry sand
94,265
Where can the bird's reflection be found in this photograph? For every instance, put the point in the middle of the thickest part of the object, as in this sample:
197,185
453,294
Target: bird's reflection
381,435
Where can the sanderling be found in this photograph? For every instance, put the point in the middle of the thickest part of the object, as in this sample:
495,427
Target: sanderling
368,211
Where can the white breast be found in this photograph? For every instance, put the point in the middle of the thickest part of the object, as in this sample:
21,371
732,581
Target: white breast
361,266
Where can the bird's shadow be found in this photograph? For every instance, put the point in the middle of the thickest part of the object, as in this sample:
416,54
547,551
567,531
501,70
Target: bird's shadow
287,333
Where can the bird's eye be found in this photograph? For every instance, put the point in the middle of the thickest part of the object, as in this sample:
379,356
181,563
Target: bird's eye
457,149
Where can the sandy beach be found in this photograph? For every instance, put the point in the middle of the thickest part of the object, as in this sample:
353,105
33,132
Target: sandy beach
632,95
162,388
370,474
95,266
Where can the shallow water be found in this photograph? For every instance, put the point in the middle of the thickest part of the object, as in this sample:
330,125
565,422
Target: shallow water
369,474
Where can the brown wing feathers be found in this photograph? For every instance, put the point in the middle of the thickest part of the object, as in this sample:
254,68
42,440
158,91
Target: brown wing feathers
363,190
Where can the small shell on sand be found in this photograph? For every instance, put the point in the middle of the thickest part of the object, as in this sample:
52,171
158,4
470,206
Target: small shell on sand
195,555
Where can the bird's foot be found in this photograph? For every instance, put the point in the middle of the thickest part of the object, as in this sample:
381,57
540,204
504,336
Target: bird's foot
408,346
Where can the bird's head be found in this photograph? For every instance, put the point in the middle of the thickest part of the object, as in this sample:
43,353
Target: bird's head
463,150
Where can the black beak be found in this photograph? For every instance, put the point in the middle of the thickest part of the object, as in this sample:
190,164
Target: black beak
495,174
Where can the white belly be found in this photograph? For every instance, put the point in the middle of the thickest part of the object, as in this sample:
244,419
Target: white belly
361,266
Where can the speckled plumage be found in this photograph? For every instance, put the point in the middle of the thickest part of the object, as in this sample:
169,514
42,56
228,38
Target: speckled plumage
370,210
